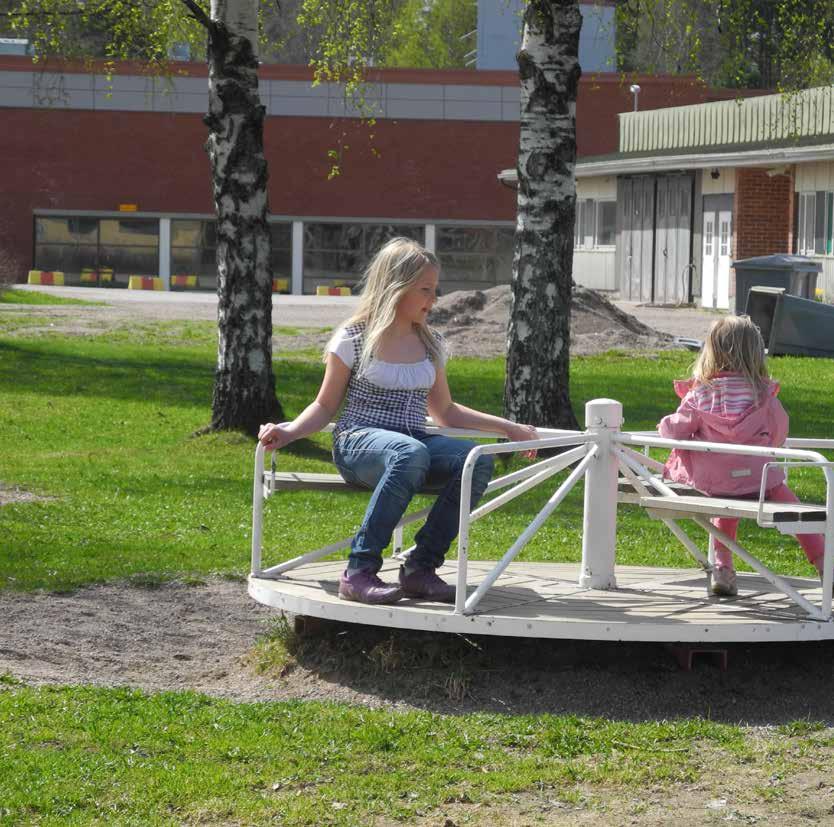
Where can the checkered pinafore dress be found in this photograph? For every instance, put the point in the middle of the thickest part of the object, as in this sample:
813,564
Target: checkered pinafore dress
370,406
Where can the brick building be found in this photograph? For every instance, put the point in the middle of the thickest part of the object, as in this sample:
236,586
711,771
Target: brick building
101,174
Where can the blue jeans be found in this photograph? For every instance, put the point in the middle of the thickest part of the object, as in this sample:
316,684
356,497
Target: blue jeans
396,467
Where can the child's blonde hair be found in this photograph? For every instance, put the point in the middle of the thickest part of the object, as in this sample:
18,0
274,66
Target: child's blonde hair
733,345
392,271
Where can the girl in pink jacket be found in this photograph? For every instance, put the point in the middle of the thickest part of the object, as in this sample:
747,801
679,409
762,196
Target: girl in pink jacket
731,398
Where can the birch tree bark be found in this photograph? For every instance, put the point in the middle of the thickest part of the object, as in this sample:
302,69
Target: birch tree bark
538,339
244,386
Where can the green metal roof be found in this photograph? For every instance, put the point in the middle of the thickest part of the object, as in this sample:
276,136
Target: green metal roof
746,123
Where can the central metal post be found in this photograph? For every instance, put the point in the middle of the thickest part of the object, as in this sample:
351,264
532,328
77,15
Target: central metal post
603,417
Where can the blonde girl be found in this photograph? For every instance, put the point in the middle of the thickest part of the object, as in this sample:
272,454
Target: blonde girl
389,368
731,398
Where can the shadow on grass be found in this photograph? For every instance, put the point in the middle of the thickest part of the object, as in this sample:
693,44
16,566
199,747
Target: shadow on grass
765,684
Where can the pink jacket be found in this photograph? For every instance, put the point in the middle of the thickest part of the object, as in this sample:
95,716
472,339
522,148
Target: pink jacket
764,423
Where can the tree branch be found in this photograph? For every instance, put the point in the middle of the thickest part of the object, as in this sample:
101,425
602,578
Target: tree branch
198,13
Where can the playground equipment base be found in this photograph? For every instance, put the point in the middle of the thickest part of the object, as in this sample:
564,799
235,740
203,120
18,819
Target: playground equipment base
543,600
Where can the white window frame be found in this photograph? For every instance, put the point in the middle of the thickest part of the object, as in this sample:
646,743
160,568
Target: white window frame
581,241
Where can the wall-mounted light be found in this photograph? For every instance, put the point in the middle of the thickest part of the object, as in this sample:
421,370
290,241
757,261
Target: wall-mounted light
715,174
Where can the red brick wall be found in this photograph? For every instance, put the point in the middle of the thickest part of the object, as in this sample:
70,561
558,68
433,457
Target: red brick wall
84,160
763,213
421,170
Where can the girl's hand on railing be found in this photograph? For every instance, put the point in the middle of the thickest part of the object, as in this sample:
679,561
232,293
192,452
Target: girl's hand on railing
523,433
274,436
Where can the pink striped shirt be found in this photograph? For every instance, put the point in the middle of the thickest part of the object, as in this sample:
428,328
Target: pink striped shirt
729,394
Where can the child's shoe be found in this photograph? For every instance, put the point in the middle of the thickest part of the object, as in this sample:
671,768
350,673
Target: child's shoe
363,586
426,584
724,582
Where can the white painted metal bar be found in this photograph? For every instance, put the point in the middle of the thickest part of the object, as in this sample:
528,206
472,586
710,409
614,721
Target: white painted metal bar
534,474
603,418
525,537
761,568
640,470
828,556
624,438
312,556
803,442
796,457
564,460
645,459
679,532
573,438
261,490
257,511
527,471
790,442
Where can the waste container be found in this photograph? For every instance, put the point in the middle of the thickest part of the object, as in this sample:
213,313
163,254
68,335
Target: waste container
790,324
796,274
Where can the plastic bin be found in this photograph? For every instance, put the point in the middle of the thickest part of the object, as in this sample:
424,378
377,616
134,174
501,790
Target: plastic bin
797,275
790,324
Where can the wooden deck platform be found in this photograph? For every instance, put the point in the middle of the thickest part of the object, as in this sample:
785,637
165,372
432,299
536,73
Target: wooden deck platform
543,600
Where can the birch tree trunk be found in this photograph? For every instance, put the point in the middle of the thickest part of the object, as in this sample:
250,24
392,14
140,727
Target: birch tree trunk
538,340
244,383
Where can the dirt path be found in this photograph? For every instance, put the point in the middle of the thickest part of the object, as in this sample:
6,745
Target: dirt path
200,637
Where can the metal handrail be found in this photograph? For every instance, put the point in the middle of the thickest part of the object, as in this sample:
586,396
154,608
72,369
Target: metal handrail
795,457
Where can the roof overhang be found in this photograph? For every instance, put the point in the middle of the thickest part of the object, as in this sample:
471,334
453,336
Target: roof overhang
625,165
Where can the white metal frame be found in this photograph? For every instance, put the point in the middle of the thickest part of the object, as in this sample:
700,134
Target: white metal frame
790,457
599,454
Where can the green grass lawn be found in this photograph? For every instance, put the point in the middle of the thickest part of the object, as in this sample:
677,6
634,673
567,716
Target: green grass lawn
36,297
101,427
96,756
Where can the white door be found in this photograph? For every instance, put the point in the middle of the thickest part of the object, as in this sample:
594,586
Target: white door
718,240
708,266
722,260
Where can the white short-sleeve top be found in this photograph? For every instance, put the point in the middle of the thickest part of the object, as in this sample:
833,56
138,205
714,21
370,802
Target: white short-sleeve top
386,395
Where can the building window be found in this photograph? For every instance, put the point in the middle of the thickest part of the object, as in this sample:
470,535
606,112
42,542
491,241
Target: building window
194,248
68,245
338,253
606,224
129,245
281,259
474,257
72,244
595,224
815,225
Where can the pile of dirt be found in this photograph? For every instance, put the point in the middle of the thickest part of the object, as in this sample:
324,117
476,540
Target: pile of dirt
474,323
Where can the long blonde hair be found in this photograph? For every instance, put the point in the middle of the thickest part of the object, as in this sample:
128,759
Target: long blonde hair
392,271
733,345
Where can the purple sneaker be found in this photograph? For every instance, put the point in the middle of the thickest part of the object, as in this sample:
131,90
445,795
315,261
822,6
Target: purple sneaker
426,584
364,586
